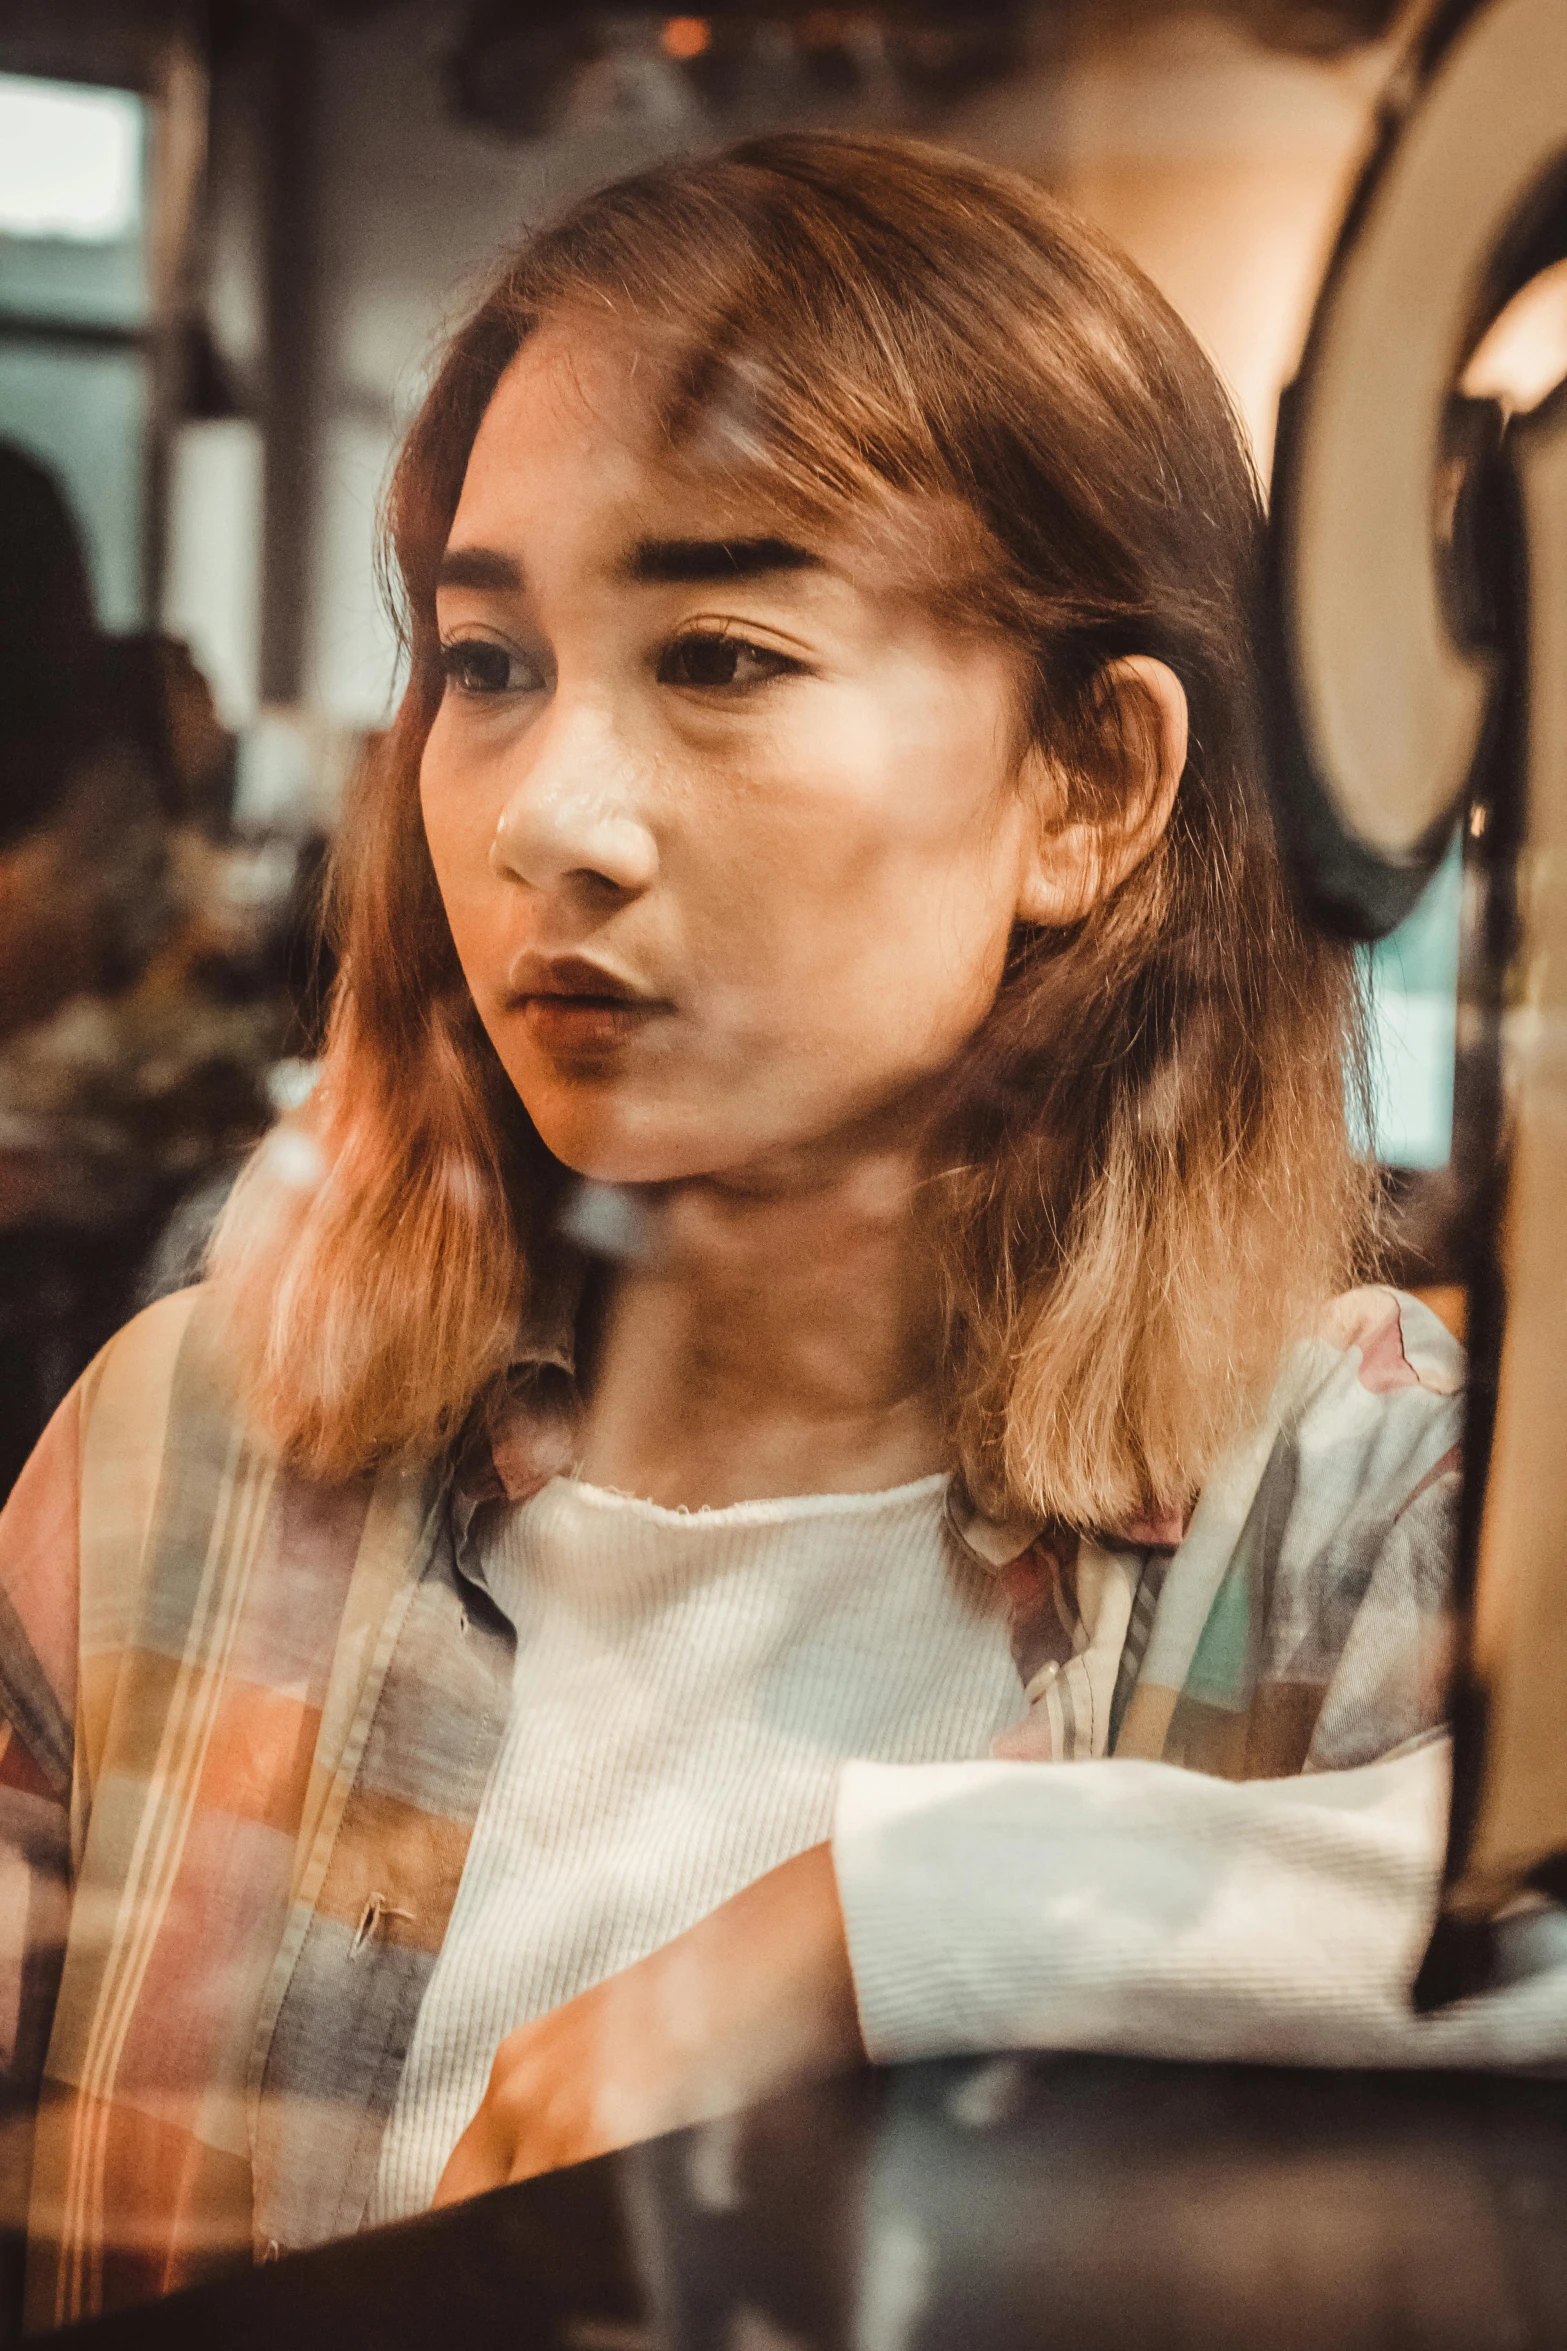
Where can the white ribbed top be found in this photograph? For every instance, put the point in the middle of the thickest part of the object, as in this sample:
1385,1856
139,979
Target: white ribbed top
687,1685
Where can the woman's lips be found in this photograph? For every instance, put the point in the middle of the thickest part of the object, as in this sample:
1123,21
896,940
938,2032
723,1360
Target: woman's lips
586,1027
577,1010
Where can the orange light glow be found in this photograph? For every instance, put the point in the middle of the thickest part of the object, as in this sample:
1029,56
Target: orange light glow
686,36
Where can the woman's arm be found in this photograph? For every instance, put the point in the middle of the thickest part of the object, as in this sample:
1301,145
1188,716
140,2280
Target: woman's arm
1128,1907
38,1598
756,1995
34,1914
1139,1908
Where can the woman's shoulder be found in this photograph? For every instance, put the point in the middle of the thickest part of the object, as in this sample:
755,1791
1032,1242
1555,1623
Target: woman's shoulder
1303,1615
1389,1340
148,1508
151,1413
158,1396
1370,1421
74,1529
130,1382
1381,1381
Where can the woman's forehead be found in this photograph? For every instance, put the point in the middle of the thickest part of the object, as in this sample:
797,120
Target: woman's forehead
583,411
584,406
576,373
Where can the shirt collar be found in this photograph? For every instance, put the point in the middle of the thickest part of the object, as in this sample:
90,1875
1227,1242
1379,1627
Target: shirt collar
523,1430
547,1331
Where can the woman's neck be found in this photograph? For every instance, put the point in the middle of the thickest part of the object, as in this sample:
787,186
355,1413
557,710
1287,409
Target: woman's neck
780,1339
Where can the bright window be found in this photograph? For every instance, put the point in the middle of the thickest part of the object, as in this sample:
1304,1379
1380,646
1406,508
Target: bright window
70,161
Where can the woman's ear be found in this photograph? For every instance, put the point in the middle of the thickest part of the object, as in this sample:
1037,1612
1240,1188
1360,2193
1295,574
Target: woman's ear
1073,861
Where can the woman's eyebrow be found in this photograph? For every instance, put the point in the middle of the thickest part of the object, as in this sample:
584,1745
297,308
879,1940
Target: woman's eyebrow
479,567
689,561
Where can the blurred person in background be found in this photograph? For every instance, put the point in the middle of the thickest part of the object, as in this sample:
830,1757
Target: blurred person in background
810,1294
83,807
136,1022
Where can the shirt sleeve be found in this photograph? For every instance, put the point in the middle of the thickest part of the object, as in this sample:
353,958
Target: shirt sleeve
1143,1909
38,1621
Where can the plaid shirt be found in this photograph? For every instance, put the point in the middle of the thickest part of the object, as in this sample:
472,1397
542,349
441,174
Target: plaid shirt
246,1723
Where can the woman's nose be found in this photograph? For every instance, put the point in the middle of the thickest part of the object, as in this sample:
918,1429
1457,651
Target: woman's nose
572,818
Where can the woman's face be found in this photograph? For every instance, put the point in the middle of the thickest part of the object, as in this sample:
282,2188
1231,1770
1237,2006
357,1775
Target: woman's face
728,830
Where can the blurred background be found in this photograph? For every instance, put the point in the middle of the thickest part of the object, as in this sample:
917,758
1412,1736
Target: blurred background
231,236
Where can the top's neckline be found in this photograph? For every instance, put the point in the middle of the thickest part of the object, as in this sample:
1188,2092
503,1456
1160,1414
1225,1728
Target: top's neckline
766,1510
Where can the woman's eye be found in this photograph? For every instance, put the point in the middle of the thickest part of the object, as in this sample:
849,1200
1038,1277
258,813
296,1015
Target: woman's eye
714,659
477,665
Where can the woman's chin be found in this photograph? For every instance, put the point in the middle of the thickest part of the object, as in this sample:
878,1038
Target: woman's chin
625,1150
621,1134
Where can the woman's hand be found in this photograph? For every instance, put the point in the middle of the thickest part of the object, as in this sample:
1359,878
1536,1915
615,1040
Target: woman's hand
752,1998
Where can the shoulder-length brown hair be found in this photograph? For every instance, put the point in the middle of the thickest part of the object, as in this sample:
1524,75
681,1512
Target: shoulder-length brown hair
1145,1184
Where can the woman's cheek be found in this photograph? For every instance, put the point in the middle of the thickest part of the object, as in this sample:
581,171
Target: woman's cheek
440,832
458,831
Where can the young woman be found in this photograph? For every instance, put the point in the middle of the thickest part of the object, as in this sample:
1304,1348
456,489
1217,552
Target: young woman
800,1299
